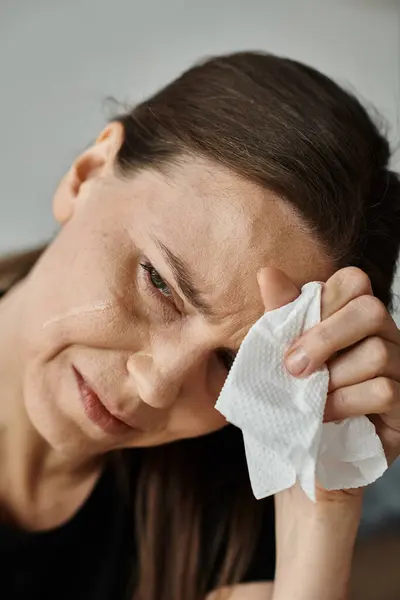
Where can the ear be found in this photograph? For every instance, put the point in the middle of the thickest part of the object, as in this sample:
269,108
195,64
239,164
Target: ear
95,162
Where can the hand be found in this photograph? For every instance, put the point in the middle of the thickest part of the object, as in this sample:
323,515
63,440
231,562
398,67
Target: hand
360,343
358,340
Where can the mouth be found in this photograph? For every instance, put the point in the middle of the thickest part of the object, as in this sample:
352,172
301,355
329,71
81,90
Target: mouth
97,412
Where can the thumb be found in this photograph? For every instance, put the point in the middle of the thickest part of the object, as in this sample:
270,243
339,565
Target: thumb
276,288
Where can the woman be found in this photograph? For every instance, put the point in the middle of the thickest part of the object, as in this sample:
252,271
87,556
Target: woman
118,338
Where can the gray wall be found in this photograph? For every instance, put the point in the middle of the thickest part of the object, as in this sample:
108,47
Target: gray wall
59,60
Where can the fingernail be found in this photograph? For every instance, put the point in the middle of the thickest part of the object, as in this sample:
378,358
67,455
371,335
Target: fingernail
297,361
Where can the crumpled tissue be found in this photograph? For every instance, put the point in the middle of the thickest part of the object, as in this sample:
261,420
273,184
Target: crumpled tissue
281,416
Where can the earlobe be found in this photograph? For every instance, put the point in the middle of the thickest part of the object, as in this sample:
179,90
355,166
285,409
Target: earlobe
63,200
69,189
88,166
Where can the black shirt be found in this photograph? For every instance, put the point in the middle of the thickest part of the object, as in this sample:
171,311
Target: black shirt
81,559
93,555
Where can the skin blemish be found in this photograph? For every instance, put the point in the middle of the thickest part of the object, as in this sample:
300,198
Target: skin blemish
79,311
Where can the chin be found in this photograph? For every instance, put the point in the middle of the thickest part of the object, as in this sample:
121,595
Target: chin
60,433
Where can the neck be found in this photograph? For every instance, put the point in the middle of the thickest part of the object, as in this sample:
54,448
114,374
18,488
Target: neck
28,462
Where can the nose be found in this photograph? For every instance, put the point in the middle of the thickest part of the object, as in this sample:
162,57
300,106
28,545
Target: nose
159,383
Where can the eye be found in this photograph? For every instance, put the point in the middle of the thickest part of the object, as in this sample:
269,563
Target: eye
226,357
156,280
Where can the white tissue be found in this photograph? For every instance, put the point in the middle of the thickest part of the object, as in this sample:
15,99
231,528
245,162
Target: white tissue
281,416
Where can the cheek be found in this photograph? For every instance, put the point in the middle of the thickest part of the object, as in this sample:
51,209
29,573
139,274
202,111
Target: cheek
84,304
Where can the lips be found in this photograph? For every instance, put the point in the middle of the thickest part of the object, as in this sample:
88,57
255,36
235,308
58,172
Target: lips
96,411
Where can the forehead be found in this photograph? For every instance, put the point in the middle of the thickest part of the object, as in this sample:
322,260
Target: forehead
225,228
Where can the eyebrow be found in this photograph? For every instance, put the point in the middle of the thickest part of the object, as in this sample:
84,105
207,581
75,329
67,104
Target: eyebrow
185,281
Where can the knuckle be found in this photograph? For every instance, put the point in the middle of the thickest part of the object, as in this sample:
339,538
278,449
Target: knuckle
385,390
378,354
355,280
373,309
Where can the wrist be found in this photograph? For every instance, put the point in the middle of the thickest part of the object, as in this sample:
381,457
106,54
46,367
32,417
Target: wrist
315,544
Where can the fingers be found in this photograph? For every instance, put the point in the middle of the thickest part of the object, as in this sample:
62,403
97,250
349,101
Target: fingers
344,285
362,317
358,340
377,396
350,314
276,288
373,357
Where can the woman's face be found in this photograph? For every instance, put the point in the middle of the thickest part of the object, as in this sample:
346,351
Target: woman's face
139,305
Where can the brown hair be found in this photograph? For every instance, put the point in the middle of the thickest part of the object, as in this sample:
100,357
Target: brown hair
292,130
